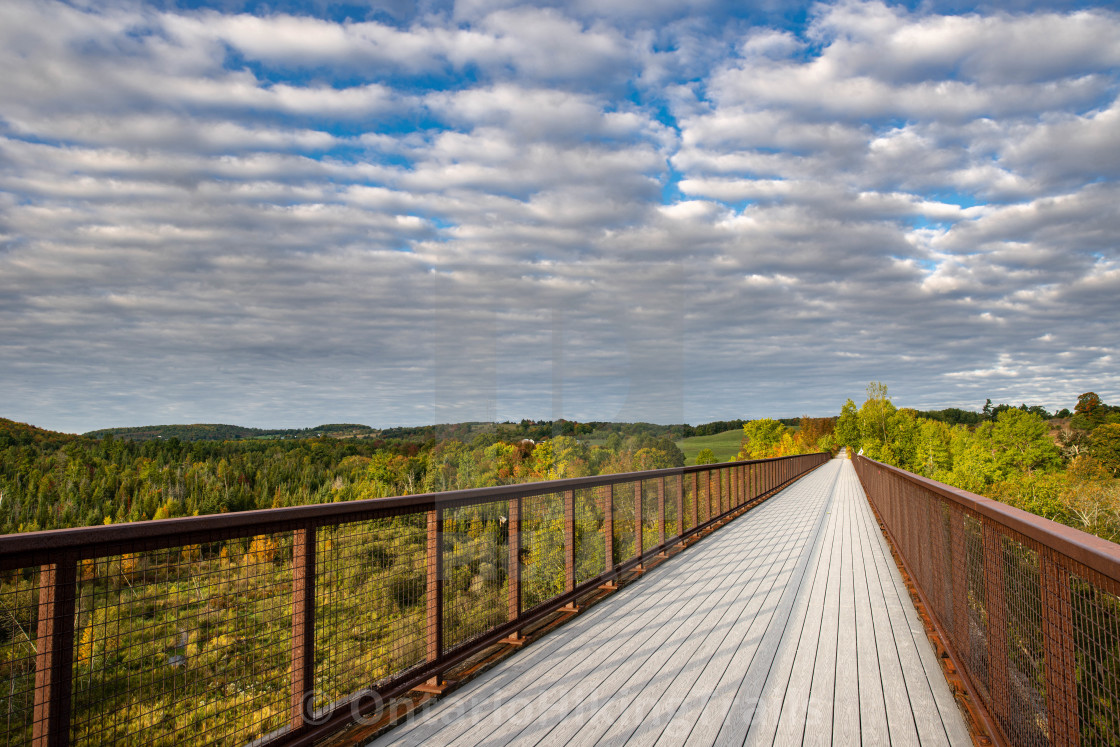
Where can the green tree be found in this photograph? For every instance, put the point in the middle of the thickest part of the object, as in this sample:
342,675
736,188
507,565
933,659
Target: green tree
706,456
761,438
847,425
1021,442
1105,447
1087,403
874,420
974,464
933,455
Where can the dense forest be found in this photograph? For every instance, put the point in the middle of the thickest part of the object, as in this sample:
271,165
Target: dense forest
53,480
1063,466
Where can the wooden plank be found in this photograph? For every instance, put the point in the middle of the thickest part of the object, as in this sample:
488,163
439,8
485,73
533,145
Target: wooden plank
845,714
696,683
872,706
638,694
731,710
899,716
766,532
622,707
613,684
819,712
781,710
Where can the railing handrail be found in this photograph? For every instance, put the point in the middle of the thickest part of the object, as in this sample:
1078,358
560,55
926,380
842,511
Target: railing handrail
1088,549
96,541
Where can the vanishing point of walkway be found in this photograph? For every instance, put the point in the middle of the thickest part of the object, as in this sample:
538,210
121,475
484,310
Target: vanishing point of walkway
790,625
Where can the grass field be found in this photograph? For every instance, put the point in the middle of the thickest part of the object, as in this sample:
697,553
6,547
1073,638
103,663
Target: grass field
724,445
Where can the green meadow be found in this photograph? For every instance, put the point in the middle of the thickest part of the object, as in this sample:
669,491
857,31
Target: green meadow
724,445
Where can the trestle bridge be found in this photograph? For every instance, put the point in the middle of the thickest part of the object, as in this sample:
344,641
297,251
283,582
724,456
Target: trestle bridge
804,599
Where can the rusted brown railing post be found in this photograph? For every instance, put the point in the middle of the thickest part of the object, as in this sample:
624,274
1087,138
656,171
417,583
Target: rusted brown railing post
570,547
998,682
514,573
569,540
638,521
303,626
1057,641
54,656
434,597
607,491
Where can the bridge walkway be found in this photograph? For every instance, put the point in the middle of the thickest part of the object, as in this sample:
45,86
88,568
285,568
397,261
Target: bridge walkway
790,625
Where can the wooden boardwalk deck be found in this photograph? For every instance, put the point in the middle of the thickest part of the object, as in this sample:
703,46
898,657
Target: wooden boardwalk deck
790,625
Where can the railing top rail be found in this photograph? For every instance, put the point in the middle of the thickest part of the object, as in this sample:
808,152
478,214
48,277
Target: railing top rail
1089,550
190,529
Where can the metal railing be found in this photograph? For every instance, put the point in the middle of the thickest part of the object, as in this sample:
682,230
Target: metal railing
279,626
1029,609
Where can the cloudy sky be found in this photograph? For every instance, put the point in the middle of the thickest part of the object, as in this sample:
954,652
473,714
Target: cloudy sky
409,211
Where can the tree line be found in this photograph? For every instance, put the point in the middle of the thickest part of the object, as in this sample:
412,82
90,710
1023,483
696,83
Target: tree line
1063,466
53,480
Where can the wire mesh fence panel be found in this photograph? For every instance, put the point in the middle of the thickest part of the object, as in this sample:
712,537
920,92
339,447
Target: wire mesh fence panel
977,651
542,549
723,482
369,604
719,490
672,506
691,514
1096,632
624,521
706,496
475,570
1025,719
187,644
590,557
651,514
943,554
19,599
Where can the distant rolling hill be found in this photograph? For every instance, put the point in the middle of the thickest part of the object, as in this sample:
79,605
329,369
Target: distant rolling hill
222,432
22,434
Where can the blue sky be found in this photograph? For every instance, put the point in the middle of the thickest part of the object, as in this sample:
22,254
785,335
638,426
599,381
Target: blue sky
291,213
